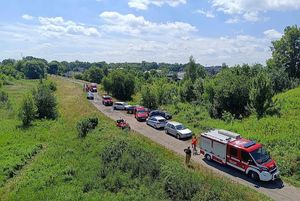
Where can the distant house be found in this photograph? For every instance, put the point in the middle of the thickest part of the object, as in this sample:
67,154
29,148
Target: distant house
175,76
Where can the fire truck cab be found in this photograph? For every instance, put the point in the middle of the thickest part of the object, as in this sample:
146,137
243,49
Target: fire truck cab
245,155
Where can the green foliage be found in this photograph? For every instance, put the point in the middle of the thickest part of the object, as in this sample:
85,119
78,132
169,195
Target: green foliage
78,76
286,51
45,102
187,91
86,125
148,97
228,91
54,68
51,85
33,69
120,84
261,93
27,111
94,74
193,70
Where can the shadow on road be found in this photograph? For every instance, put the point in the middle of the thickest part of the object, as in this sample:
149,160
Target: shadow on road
277,184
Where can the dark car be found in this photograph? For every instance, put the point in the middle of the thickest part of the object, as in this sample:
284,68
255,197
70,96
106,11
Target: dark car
160,113
130,109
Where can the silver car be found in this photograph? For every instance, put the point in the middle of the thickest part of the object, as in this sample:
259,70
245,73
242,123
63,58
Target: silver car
156,122
178,130
119,105
90,96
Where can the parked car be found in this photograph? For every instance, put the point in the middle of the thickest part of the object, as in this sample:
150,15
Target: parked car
107,100
130,109
90,96
156,122
178,130
140,113
160,113
119,105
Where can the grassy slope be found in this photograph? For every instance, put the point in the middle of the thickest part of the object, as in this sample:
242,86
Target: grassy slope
280,135
67,164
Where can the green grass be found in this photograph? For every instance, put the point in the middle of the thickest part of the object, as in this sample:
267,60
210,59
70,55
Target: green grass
50,162
281,135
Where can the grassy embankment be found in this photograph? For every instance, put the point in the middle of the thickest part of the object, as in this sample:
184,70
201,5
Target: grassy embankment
49,162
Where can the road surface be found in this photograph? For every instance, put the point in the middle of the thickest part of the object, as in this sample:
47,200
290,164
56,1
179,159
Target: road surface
276,190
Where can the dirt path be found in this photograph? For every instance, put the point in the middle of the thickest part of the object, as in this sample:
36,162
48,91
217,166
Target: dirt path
276,190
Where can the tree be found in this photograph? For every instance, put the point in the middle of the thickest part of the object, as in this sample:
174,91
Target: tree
94,74
187,91
27,110
228,91
120,83
45,102
191,69
261,93
286,51
199,89
149,98
33,69
54,67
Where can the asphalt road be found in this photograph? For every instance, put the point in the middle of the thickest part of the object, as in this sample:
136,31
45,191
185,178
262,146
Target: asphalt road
276,190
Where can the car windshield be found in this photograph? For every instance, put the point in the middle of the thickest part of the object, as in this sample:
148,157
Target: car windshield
161,120
141,111
260,155
180,127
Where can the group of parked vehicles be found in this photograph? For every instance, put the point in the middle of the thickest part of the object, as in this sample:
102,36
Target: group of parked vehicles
155,118
222,146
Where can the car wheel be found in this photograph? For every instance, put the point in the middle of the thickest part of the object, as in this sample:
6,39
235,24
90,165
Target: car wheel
254,176
166,131
208,157
178,136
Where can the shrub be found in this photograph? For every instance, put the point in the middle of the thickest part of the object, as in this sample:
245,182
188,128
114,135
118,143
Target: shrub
27,110
45,102
85,125
3,97
52,85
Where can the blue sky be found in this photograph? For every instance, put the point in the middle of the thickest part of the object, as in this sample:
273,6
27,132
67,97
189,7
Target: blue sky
213,31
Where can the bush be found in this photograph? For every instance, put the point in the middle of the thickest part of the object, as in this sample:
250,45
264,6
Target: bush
85,125
52,85
27,110
3,97
45,102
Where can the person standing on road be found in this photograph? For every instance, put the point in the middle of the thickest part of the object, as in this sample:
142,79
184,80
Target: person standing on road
188,155
194,144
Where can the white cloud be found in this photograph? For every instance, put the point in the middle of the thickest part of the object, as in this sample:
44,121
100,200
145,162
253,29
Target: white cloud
250,9
136,25
144,4
232,20
57,26
272,34
27,17
208,14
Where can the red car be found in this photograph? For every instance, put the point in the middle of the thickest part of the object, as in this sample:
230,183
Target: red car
107,101
121,123
141,113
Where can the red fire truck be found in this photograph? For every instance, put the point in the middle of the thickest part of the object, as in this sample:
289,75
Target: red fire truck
245,155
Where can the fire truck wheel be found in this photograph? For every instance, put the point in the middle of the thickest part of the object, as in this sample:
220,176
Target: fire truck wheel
254,175
208,157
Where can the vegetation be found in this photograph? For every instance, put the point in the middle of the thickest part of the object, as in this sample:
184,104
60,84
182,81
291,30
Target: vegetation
85,125
47,161
27,111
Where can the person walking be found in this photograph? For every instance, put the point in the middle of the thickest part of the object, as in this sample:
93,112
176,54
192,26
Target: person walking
194,144
188,155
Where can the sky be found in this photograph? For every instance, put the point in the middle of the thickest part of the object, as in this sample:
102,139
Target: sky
212,31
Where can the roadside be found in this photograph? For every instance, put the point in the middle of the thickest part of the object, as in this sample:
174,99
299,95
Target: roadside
276,190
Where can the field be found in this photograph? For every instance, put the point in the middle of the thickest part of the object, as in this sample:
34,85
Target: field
49,162
281,135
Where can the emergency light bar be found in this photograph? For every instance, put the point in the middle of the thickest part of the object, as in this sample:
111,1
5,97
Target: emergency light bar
249,144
